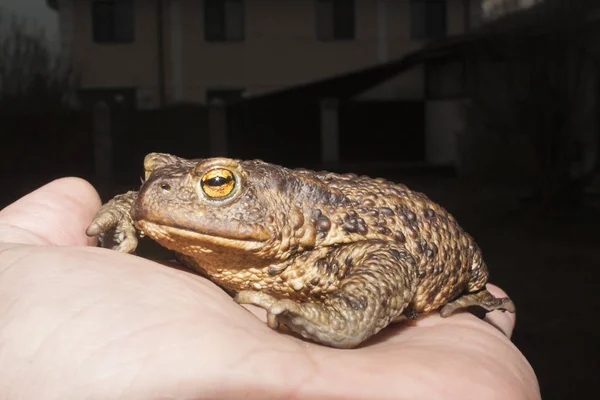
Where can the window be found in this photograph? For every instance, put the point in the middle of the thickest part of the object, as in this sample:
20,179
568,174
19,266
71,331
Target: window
224,20
473,13
335,19
112,21
428,19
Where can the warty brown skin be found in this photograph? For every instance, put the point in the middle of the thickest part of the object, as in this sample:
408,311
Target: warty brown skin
334,257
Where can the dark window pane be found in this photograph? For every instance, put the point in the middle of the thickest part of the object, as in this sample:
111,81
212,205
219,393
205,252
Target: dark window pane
234,19
418,16
102,21
214,20
224,20
335,19
124,20
343,11
436,19
112,21
427,19
325,19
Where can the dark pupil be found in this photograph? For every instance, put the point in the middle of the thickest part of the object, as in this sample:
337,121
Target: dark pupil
218,181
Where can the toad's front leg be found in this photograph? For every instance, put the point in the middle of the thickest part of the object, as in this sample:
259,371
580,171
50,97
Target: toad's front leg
376,290
115,216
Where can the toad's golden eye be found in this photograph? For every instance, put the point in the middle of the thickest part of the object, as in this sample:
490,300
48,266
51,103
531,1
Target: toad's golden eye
218,183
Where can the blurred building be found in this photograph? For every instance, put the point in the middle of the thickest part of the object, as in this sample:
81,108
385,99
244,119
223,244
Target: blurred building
376,69
153,52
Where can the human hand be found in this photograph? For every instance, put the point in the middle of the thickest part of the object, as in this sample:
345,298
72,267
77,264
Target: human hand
80,322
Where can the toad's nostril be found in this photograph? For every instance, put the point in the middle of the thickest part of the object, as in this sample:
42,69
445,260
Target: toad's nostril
165,186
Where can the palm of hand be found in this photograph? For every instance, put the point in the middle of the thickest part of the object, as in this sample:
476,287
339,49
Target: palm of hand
82,322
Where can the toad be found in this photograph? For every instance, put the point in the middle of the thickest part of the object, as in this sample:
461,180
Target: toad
335,258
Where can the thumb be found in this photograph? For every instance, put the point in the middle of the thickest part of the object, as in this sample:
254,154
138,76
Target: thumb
56,214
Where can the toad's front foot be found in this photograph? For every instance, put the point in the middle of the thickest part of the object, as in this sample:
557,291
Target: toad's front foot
114,218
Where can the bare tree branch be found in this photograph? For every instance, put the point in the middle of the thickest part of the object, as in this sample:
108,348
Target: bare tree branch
32,77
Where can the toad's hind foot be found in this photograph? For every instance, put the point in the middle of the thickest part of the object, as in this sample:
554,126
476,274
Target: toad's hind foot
483,299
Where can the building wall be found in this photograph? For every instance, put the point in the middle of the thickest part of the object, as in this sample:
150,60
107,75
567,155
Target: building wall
278,51
117,65
280,48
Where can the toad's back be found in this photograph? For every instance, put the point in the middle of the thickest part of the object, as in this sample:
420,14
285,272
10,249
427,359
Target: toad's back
449,261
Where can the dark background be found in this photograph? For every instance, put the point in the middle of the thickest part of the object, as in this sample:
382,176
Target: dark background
537,221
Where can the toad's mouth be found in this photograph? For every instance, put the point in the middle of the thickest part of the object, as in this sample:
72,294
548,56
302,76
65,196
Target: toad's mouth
179,239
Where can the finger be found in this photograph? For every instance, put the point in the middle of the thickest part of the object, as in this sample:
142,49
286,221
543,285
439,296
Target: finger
504,321
57,213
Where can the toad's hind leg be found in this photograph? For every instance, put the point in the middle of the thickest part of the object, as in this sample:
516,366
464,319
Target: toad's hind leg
477,294
482,298
378,286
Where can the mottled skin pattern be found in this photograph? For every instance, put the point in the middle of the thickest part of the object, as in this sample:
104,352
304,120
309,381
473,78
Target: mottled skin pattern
336,258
